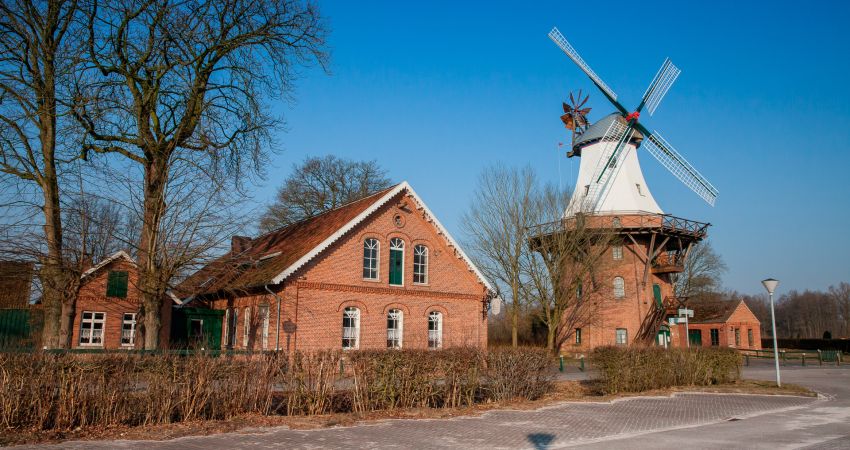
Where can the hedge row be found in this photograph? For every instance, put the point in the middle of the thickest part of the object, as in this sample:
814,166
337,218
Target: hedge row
641,369
61,392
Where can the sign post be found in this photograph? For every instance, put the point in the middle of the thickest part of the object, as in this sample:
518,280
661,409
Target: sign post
686,313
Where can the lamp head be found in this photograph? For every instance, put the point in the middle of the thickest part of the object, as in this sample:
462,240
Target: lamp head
770,284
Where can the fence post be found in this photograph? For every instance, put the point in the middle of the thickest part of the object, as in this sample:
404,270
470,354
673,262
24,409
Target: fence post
561,363
804,360
747,358
581,364
820,359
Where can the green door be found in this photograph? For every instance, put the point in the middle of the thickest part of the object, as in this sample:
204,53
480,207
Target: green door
656,292
695,338
396,262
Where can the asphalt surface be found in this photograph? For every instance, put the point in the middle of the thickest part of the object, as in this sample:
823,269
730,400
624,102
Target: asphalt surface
682,421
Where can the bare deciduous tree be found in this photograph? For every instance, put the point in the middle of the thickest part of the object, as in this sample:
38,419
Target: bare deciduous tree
564,256
703,271
36,41
168,81
496,226
321,184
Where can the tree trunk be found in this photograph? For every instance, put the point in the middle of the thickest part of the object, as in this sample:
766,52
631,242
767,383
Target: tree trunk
151,280
53,274
515,316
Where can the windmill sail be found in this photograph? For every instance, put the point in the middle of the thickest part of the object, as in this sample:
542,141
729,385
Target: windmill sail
678,166
656,91
559,39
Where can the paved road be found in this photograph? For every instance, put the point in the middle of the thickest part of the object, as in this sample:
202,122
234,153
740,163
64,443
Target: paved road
686,420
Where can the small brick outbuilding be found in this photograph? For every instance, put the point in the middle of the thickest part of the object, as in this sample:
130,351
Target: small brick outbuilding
108,305
380,272
721,324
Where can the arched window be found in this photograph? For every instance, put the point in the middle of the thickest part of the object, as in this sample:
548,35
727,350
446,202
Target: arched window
618,252
619,287
397,262
435,329
371,252
350,328
395,327
420,264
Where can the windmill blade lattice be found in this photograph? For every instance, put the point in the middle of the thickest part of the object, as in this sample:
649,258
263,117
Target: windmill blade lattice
662,82
678,166
561,41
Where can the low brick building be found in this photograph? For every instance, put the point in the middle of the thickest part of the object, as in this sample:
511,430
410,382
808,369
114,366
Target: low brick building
721,324
108,306
380,272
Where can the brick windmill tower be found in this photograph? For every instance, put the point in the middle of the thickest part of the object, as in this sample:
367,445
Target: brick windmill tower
649,246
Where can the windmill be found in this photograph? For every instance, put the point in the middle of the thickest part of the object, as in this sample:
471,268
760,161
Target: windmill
575,114
624,132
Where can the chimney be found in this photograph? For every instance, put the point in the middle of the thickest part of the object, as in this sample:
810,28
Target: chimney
239,244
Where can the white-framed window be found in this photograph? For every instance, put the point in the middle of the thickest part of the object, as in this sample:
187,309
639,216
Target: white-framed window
397,261
91,328
128,330
350,328
622,336
263,312
420,264
616,222
395,328
371,258
619,287
246,334
617,251
435,329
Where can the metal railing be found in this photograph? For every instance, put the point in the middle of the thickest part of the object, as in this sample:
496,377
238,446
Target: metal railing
623,220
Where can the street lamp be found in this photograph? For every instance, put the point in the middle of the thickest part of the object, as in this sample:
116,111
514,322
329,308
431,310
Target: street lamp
770,284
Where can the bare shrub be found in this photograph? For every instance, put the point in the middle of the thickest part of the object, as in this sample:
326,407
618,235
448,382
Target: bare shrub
523,372
633,369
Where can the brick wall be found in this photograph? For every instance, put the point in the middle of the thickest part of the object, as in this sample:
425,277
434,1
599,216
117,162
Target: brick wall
313,299
627,312
92,298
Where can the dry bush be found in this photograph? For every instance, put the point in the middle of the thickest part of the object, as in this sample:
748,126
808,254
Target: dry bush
523,372
631,369
43,391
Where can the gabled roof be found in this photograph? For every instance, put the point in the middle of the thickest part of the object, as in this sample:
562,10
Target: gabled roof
113,257
274,256
713,311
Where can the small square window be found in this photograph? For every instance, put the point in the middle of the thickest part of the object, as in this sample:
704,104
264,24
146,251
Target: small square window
116,284
618,252
622,336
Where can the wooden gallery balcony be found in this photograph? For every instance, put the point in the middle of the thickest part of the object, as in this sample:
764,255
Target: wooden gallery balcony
668,263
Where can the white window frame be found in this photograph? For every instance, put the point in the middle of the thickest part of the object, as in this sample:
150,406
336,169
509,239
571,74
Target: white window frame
395,336
92,321
246,333
435,335
132,323
619,287
393,246
351,333
263,312
376,260
420,251
617,252
621,332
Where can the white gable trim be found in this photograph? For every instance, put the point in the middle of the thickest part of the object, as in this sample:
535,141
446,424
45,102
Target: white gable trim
368,212
111,258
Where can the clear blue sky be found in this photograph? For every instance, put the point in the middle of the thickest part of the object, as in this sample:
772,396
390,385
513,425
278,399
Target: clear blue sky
435,91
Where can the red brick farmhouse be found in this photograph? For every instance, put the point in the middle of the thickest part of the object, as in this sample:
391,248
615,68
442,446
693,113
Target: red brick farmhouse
380,272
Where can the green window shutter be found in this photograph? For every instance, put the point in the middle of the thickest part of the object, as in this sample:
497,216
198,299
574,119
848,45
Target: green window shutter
396,262
116,284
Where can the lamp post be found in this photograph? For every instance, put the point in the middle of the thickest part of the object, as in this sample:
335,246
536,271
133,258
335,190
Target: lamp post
770,284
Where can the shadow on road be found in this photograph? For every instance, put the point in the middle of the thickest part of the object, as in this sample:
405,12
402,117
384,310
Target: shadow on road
541,441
